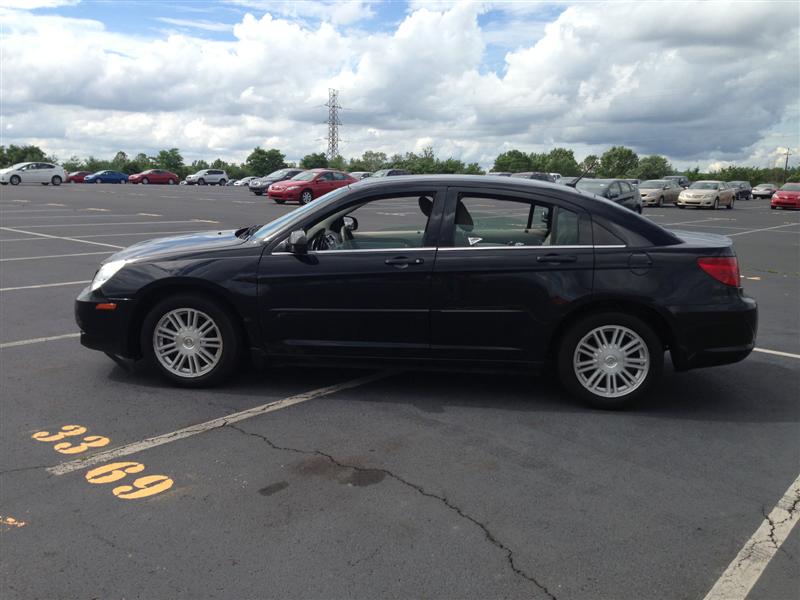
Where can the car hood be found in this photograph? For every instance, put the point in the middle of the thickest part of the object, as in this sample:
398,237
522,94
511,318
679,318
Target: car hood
264,180
287,182
6,170
789,193
181,244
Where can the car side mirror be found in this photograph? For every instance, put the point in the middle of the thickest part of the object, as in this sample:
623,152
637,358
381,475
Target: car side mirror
298,242
350,223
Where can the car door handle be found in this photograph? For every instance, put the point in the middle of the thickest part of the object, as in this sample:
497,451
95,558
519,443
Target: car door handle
402,262
556,258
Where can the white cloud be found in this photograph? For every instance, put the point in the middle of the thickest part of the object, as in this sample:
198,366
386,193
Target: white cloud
35,4
708,82
196,24
339,13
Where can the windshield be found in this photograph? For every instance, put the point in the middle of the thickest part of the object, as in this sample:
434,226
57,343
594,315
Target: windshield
18,165
704,185
297,214
765,185
653,183
381,173
305,176
278,173
791,187
595,187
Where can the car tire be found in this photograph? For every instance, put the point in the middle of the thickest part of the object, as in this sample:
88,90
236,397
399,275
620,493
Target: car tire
660,202
279,201
259,193
730,204
201,181
145,181
773,207
15,180
221,182
187,366
646,359
45,183
681,206
716,204
56,180
171,182
306,196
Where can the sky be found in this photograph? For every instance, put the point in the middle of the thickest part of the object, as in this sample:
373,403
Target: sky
705,84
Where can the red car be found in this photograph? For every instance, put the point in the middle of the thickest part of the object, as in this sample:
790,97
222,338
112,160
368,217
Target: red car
786,197
306,186
77,176
154,176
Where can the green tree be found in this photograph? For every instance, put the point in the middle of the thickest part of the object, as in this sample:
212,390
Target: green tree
618,161
562,161
120,161
16,154
538,162
73,163
473,169
262,162
170,160
198,165
141,162
338,163
316,160
653,167
590,164
512,161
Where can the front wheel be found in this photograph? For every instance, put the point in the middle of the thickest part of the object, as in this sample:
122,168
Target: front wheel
730,204
201,181
716,204
191,340
15,180
145,181
306,197
610,359
660,202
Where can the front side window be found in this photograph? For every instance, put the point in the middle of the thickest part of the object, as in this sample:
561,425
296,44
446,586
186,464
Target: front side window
375,224
482,222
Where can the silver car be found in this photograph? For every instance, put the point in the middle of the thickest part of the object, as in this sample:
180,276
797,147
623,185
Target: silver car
208,177
707,194
657,192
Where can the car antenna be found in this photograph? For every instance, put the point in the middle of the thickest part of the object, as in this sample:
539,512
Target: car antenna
588,170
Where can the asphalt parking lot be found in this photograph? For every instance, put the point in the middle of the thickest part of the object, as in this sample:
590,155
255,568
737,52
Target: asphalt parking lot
362,484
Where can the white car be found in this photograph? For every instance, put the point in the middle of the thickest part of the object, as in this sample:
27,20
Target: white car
208,177
33,172
245,182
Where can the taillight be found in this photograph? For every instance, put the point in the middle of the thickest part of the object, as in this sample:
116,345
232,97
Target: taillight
721,268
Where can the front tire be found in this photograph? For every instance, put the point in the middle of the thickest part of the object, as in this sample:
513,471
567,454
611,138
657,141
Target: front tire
730,204
15,180
610,359
306,196
716,204
201,181
145,181
191,340
660,202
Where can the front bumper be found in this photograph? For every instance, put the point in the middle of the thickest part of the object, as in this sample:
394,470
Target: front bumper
286,195
704,201
785,202
709,335
106,330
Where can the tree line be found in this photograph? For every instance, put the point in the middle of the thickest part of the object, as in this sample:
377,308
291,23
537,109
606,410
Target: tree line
617,161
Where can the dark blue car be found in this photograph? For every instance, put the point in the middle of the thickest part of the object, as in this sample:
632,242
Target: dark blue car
106,177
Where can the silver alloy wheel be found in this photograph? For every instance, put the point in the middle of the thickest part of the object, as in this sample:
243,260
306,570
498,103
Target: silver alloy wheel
187,342
611,361
306,197
145,180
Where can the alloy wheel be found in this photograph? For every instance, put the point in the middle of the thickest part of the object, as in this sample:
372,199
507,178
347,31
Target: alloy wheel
611,361
187,342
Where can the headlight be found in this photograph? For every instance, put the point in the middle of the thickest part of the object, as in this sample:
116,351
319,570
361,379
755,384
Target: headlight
106,272
293,187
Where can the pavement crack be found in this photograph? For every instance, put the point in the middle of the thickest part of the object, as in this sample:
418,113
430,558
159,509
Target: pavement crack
21,469
490,537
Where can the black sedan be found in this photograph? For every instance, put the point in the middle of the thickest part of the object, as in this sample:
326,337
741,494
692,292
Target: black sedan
260,185
432,270
621,191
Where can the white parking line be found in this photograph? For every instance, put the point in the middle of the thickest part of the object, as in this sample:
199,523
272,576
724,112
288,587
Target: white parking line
39,340
174,436
43,285
109,224
94,216
59,237
764,229
748,566
80,238
55,256
776,353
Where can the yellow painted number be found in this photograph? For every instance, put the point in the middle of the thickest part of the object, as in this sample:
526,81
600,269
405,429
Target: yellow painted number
90,441
143,487
66,430
113,472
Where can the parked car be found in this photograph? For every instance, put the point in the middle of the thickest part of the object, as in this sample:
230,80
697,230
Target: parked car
33,172
743,189
308,185
634,182
707,194
390,173
616,190
682,180
786,197
208,177
500,173
533,175
230,182
244,181
585,286
569,181
555,177
764,190
360,174
659,191
260,185
154,176
106,177
77,176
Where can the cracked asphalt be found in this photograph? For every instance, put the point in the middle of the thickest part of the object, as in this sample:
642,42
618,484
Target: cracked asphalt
420,484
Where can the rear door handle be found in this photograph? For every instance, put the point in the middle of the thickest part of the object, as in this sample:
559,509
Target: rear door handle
401,262
557,258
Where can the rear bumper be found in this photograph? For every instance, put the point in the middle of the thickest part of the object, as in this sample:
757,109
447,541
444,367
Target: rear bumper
711,335
106,330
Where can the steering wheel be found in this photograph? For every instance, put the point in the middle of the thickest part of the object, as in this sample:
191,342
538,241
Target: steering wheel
326,240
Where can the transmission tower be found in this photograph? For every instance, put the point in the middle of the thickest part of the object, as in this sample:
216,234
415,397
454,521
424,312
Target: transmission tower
333,123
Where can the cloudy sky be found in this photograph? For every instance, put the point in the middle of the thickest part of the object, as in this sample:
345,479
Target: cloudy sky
703,83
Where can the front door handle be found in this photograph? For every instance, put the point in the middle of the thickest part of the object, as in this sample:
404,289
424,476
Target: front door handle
401,262
557,258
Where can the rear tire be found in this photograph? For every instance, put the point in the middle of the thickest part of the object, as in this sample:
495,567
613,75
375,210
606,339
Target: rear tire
221,182
610,359
280,201
198,344
171,182
56,180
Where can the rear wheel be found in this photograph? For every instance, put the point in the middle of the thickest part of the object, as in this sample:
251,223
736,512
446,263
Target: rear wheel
171,182
306,197
221,182
610,359
191,340
56,180
279,201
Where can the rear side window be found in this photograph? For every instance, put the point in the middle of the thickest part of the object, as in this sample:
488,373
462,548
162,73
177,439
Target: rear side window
502,222
339,176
